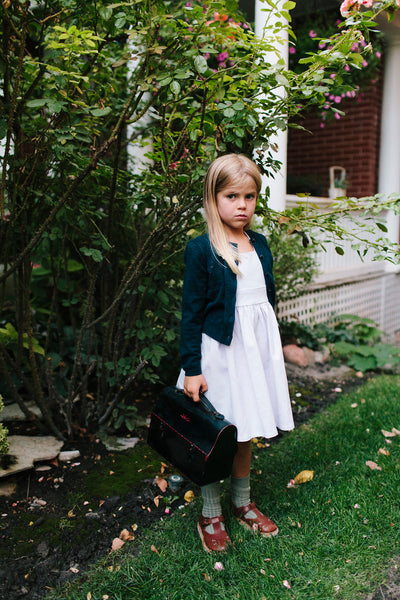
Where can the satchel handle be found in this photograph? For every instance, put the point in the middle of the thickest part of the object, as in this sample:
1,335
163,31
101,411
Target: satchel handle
205,405
208,407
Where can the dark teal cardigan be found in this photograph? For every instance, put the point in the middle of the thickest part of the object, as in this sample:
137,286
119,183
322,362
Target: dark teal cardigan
209,296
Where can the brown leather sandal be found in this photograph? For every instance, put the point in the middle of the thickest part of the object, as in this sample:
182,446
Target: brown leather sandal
217,541
260,523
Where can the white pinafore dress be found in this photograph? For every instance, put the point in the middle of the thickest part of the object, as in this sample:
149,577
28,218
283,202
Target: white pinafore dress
247,380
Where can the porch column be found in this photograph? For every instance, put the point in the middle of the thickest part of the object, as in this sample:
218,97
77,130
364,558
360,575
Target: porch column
389,156
278,184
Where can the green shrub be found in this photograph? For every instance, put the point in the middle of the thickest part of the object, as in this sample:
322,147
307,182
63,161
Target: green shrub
3,434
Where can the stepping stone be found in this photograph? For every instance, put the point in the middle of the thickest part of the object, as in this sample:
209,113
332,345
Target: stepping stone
68,455
12,412
7,488
118,444
26,450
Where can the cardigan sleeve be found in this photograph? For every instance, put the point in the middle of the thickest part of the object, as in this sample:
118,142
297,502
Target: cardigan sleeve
193,306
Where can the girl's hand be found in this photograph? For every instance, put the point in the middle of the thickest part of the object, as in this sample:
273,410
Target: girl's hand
192,386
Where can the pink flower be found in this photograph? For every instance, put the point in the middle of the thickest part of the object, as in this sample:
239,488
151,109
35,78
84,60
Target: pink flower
337,116
312,34
378,54
321,45
222,56
346,67
365,64
219,566
347,7
286,584
338,99
292,50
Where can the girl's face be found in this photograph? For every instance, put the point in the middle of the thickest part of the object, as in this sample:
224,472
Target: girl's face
236,204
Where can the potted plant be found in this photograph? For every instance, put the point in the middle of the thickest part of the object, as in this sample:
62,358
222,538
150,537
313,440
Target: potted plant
338,183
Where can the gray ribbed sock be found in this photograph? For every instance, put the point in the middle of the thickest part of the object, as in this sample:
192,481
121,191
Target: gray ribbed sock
211,500
240,489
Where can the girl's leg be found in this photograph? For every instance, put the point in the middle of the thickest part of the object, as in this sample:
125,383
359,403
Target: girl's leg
211,500
244,510
211,526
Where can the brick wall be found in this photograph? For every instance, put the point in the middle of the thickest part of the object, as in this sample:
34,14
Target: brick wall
351,142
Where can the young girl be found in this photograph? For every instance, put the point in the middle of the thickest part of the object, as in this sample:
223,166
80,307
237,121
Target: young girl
230,343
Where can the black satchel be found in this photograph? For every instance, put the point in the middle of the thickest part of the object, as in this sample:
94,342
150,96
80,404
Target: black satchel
193,436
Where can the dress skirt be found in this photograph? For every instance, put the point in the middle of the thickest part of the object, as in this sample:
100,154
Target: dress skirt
247,380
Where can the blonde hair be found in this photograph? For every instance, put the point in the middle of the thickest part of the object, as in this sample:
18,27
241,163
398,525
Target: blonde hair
224,171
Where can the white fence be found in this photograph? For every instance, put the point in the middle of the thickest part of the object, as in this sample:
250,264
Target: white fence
346,285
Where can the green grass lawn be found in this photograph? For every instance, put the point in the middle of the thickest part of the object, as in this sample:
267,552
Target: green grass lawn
338,532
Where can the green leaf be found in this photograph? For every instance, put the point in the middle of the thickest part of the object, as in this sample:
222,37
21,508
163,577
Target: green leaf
200,64
362,363
36,103
229,112
95,254
175,88
339,250
100,112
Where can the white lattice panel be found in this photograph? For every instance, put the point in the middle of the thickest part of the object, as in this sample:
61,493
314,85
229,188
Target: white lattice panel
377,298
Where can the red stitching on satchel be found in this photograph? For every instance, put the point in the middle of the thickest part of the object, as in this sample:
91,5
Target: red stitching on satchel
183,437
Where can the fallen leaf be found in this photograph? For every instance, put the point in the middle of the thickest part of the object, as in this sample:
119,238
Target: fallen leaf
372,465
74,570
163,467
117,543
304,476
126,535
156,500
262,571
134,527
219,566
388,433
89,596
189,496
71,513
207,577
154,549
383,451
162,483
396,431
